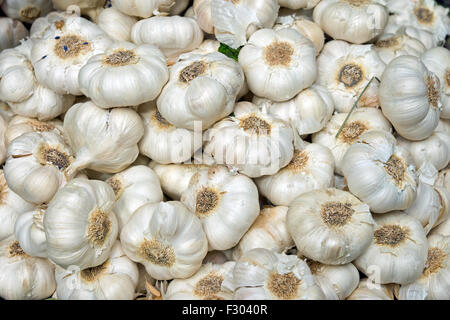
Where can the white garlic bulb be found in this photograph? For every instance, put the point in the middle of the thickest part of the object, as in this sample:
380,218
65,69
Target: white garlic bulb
410,97
202,12
79,224
380,172
11,32
367,290
91,8
44,26
397,252
311,168
298,4
166,238
23,277
143,8
205,284
29,231
390,46
235,21
269,231
114,279
133,188
26,10
252,142
426,37
345,70
104,140
20,125
116,24
226,204
278,64
202,89
330,226
36,165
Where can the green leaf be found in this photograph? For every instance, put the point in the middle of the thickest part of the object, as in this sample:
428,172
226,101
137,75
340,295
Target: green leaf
229,52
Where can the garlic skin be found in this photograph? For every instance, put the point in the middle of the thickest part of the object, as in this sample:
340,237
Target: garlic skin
167,239
116,24
278,64
216,257
20,125
252,142
345,70
202,12
79,224
298,4
26,10
261,274
143,8
442,229
115,279
91,8
235,21
36,165
426,37
392,45
367,290
11,32
360,121
443,179
311,168
29,231
225,203
23,277
269,231
178,7
133,188
330,226
351,20
44,26
202,89
409,97
205,284
104,140
173,35
3,141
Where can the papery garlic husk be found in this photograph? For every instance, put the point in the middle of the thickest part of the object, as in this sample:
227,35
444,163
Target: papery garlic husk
252,142
143,8
79,224
64,49
104,140
23,277
392,45
91,8
426,37
20,125
133,188
269,231
278,64
173,35
116,24
380,172
308,112
44,26
162,141
298,4
311,168
207,46
167,239
367,290
114,279
235,21
37,164
443,179
215,257
26,10
3,141
96,175
225,203
360,121
330,226
340,182
410,97
6,112
11,32
354,21
442,229
144,280
178,7
261,274
190,13
29,231
397,252
205,284
202,12
202,89
11,207
345,70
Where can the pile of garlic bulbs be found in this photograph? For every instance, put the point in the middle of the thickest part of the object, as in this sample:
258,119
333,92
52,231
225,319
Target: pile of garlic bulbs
217,149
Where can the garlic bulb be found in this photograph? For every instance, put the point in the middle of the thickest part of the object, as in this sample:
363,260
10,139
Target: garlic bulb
173,35
330,226
360,121
114,279
45,26
442,229
367,290
11,207
235,21
426,37
79,224
143,8
202,11
390,46
162,141
29,232
269,231
26,10
252,142
202,89
298,4
278,64
166,238
3,141
133,188
11,32
205,284
443,179
23,277
311,168
116,24
354,21
91,8
345,70
104,140
19,125
397,252
65,48
261,274
36,165
410,98
225,203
